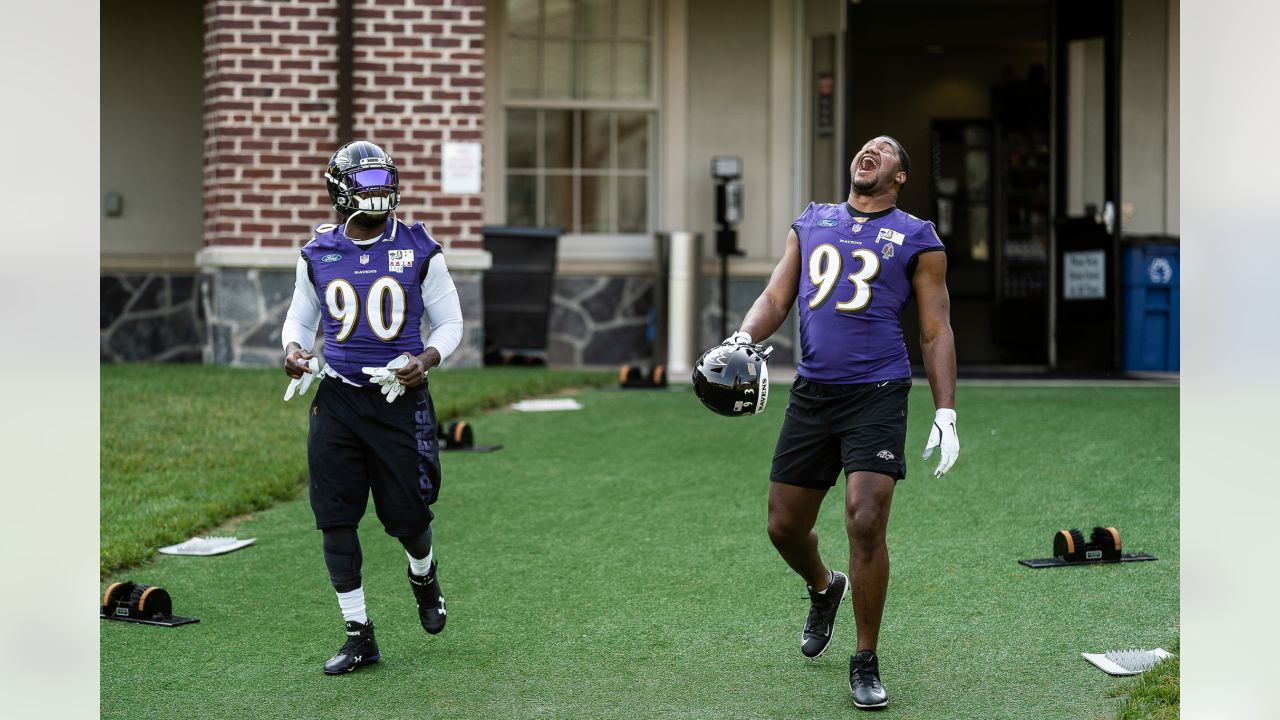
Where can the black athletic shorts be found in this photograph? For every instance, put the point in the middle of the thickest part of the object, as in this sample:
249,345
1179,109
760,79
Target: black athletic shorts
359,443
833,427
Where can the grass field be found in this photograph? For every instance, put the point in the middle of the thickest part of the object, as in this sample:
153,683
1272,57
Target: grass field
185,447
612,563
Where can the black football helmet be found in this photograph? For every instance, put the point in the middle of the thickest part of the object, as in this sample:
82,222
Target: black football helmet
361,176
733,380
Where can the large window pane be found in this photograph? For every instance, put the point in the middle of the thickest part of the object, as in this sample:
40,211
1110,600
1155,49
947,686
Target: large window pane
633,18
522,200
522,138
559,18
521,67
559,201
558,138
557,69
597,70
522,16
595,139
633,204
633,71
596,201
597,17
633,140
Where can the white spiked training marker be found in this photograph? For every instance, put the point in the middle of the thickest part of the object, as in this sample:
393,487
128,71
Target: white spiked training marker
1127,662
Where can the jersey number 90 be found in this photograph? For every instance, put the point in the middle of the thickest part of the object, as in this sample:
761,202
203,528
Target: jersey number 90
384,308
825,268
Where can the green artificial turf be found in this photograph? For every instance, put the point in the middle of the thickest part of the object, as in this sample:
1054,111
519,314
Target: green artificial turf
613,563
185,447
1153,695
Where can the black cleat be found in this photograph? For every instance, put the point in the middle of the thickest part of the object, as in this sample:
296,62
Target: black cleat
426,589
360,650
822,616
864,681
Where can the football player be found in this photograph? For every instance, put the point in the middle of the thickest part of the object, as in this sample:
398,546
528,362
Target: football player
853,266
371,280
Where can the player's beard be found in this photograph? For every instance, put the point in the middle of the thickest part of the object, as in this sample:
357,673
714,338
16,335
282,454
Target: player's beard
864,186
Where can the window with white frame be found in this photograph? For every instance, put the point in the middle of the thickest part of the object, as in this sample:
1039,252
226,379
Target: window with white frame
580,108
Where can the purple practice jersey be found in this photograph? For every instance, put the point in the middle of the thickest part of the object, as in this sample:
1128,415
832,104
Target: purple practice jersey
370,298
855,278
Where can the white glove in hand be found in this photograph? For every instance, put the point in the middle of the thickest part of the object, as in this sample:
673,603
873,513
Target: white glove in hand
299,386
738,338
943,433
386,377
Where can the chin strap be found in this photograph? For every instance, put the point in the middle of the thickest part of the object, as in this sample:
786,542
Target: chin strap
389,213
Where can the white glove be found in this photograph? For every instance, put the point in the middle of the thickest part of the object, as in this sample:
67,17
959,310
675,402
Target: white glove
386,377
738,338
943,433
300,385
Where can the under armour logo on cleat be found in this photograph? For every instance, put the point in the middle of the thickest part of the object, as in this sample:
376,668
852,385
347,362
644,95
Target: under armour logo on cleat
442,612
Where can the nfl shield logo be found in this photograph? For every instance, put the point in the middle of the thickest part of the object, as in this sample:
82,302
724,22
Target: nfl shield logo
857,227
364,259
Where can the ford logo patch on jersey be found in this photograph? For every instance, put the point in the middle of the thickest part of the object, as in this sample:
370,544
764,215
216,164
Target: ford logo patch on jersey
331,257
827,223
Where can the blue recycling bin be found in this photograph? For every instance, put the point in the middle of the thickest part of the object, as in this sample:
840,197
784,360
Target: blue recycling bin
1151,287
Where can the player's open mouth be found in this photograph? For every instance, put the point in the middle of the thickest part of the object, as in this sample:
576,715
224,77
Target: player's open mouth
867,164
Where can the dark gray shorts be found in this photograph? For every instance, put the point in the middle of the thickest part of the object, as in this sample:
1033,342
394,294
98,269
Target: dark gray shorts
830,428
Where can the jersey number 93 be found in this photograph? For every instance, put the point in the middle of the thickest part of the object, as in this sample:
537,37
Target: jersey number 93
825,268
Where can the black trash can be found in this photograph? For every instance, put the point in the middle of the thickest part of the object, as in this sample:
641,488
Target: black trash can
517,292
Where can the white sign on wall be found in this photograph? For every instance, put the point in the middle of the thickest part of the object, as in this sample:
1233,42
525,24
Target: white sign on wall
460,167
1084,275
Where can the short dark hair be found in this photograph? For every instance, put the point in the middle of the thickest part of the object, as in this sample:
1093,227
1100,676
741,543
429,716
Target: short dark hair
903,158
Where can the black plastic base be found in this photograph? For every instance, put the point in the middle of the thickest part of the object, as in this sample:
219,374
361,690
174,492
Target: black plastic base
473,448
1059,562
161,620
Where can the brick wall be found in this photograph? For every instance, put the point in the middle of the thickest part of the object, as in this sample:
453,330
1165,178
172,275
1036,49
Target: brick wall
271,90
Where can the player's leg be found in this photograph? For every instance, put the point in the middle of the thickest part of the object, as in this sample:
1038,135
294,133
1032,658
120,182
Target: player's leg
404,470
806,463
425,581
343,558
868,498
793,510
873,426
338,493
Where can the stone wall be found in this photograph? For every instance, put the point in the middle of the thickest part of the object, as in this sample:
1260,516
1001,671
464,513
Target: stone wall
609,320
246,310
154,317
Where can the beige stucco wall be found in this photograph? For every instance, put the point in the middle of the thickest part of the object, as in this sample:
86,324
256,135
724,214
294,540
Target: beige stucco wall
152,86
1149,117
739,102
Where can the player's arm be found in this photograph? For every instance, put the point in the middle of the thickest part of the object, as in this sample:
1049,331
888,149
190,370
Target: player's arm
444,316
938,346
770,309
300,323
937,343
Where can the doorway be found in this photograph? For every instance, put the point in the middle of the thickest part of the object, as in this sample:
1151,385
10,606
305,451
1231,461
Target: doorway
965,86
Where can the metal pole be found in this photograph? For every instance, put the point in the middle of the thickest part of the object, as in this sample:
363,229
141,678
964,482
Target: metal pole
724,296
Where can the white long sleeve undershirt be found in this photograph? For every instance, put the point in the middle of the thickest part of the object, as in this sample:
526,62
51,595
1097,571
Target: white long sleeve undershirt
439,298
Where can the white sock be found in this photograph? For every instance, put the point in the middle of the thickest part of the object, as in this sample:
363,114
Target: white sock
423,566
352,604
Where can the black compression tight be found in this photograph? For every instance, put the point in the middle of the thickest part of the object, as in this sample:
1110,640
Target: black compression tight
418,546
343,558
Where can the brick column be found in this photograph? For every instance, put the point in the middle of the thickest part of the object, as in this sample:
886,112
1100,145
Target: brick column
271,89
419,81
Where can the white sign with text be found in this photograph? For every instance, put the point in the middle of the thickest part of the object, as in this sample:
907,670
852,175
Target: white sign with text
1084,275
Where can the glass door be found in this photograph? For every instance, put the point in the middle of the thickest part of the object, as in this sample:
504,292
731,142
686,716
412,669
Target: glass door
1085,318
